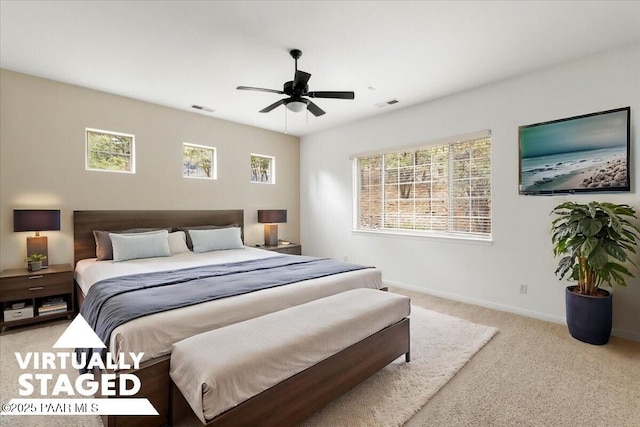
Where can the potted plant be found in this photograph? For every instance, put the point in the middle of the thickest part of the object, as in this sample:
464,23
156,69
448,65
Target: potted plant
596,241
34,262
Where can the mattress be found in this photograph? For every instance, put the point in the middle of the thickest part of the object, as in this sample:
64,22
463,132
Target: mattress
154,335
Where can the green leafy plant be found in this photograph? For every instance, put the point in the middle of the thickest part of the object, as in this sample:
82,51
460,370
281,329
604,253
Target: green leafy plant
596,239
36,257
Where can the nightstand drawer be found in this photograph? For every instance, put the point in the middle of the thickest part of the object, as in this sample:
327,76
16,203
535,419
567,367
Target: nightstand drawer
35,285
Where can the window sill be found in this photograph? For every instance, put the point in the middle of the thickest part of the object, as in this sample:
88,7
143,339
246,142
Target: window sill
209,178
454,238
109,170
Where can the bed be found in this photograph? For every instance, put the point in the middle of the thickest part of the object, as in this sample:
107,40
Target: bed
154,334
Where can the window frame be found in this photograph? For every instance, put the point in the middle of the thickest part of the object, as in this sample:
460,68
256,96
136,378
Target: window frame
214,161
272,168
449,233
132,156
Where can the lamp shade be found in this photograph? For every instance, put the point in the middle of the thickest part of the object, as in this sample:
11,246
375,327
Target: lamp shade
272,216
36,220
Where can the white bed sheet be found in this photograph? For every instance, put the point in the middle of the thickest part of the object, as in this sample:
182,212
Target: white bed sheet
90,271
154,335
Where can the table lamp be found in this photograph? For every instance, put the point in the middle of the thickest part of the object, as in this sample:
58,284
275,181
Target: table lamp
270,218
36,220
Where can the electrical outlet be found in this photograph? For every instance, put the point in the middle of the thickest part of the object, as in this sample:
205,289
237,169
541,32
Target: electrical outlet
523,288
346,258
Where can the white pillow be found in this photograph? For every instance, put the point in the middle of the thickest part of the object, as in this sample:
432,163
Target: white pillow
140,245
216,239
178,242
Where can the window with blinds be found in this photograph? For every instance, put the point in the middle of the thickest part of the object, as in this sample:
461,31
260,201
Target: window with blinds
443,189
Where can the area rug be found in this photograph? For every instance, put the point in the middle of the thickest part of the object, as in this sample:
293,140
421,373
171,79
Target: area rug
440,346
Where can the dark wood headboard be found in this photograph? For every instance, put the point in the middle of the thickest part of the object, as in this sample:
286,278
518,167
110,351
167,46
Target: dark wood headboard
84,222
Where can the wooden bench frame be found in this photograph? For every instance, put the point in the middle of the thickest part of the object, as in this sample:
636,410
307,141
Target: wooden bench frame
295,399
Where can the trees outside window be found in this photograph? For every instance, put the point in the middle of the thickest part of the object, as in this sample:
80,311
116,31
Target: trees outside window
109,151
263,169
199,161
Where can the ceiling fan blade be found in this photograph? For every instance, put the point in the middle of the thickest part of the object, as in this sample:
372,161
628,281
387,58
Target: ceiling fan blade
272,106
330,94
259,89
315,110
301,78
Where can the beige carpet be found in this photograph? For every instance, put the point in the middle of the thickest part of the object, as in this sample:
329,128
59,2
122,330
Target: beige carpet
440,346
534,374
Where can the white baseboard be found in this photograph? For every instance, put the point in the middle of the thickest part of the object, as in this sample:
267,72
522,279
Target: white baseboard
501,307
625,334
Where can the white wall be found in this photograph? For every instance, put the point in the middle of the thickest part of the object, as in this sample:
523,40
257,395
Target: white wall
521,250
42,162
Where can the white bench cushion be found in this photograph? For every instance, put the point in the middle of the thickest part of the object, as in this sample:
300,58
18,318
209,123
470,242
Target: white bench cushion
219,369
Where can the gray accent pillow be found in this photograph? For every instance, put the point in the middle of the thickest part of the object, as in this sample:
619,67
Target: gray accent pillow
140,245
104,249
216,239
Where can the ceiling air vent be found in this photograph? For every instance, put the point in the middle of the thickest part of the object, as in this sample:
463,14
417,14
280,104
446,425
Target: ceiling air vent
387,103
201,108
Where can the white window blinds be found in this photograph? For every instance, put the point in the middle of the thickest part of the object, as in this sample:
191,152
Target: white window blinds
443,189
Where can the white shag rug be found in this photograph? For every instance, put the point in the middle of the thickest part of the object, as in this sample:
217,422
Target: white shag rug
440,346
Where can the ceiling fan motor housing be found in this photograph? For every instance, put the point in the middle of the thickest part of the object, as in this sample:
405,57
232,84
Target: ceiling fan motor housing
290,89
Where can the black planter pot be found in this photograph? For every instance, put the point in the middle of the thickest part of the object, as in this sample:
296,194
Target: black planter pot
589,318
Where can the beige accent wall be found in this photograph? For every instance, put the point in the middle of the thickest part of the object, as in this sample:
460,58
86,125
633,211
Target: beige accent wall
42,162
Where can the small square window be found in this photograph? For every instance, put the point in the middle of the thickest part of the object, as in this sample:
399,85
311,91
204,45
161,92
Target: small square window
109,151
263,169
199,161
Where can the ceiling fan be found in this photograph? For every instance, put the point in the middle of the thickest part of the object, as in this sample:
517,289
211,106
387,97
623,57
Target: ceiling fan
297,89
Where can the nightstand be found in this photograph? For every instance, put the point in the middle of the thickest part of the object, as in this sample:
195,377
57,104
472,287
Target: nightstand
46,294
289,248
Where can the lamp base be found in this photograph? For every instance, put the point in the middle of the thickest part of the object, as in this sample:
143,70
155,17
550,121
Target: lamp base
38,245
271,234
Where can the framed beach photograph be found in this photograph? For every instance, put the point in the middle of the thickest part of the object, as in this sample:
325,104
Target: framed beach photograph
587,153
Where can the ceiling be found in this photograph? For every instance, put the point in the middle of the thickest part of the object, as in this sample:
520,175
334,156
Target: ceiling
180,53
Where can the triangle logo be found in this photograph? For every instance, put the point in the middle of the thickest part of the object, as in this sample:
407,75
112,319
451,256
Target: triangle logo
79,335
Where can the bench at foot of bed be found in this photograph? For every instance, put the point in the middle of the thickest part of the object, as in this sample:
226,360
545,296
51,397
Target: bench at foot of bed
278,369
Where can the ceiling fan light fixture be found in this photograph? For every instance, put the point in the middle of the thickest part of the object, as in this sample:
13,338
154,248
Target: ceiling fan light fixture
296,106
